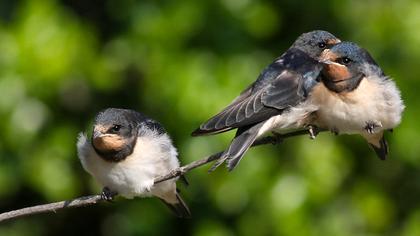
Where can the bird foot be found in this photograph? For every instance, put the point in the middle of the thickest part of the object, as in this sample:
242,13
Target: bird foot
313,131
335,131
371,126
107,194
278,138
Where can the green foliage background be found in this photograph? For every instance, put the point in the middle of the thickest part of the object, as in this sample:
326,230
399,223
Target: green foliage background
61,61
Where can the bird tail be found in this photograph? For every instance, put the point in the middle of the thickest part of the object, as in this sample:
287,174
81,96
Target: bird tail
381,150
237,149
378,143
179,208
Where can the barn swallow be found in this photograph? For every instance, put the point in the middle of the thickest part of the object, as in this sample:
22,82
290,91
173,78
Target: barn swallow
276,101
126,152
356,97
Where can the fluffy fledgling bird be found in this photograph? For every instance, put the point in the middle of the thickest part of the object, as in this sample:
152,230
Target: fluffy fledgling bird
126,152
278,100
356,97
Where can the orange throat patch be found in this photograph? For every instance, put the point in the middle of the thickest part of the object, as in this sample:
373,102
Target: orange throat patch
336,72
109,143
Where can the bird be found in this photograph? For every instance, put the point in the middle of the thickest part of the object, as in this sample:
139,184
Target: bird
126,152
276,101
356,96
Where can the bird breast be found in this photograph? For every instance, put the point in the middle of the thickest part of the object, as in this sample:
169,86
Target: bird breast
375,100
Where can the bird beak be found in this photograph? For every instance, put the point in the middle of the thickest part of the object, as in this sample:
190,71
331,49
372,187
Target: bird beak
98,132
326,62
326,57
332,42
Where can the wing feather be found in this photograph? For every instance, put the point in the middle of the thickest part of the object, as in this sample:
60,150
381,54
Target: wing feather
257,107
278,87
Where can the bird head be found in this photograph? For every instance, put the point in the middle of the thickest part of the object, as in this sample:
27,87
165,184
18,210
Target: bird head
115,133
315,42
345,65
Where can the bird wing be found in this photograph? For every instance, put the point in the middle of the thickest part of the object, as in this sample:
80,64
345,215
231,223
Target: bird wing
277,88
243,111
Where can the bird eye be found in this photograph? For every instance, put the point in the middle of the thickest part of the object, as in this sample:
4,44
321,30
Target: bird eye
115,128
322,45
345,60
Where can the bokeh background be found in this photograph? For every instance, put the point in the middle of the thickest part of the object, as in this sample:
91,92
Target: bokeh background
61,61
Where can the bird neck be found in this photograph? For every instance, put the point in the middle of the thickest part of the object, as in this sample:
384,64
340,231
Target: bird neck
345,85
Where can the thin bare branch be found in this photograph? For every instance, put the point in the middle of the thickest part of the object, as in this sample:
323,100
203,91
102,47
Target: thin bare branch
51,207
94,199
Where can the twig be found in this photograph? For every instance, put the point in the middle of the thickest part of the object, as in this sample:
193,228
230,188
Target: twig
51,207
94,199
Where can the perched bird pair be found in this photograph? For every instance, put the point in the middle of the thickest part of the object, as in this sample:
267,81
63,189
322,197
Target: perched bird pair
319,82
